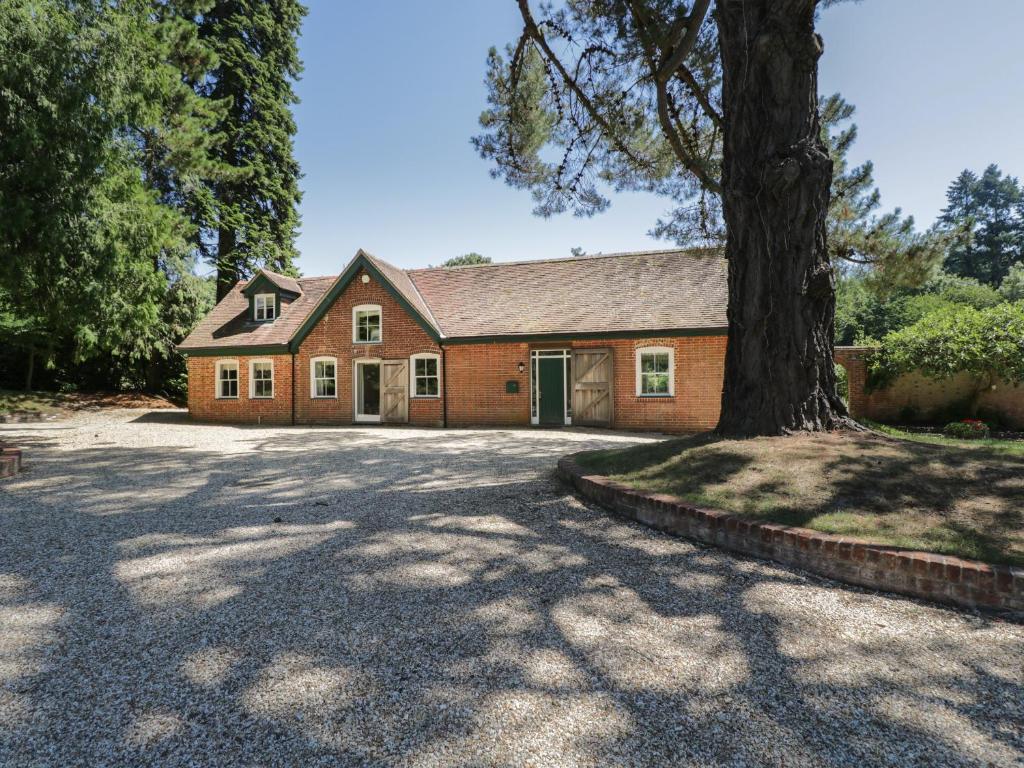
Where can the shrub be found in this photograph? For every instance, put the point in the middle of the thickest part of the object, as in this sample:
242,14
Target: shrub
968,429
842,384
988,344
991,416
909,414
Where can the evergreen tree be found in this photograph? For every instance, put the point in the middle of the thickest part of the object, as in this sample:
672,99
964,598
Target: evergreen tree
97,126
256,207
659,96
991,208
1012,287
467,259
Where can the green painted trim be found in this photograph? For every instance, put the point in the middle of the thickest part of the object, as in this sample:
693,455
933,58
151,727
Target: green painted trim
526,338
256,286
266,349
360,261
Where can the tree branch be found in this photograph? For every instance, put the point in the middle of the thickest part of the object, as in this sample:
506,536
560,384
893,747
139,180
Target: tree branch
534,32
691,163
699,94
687,39
687,33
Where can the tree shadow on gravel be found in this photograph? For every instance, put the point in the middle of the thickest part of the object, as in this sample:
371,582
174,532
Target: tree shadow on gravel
438,598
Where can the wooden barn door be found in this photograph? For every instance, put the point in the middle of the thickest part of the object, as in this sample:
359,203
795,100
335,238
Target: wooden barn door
592,387
394,388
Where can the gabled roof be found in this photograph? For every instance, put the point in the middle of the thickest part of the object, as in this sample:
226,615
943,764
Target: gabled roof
391,277
682,291
645,291
285,283
230,323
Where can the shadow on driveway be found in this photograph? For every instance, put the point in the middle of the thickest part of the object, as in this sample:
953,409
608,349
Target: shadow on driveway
435,597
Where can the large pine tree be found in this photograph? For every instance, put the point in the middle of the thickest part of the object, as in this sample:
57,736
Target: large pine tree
659,96
255,206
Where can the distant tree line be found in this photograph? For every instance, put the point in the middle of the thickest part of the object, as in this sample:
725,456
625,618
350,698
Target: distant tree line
981,266
142,143
967,314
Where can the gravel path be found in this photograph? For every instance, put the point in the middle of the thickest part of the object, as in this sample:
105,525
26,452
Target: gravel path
436,598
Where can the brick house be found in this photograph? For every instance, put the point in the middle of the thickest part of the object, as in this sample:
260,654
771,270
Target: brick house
633,340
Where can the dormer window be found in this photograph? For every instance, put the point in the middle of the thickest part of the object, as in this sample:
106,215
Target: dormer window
264,306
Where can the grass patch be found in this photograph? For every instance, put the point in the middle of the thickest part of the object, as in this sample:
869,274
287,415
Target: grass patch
51,403
927,493
44,403
1013,447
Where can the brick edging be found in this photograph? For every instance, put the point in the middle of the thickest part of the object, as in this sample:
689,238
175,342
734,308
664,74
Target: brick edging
10,462
944,579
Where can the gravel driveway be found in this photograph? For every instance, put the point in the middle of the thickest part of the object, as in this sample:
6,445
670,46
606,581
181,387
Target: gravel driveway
176,594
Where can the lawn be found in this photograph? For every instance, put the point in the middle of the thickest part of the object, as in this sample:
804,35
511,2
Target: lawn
1013,447
952,498
43,403
58,403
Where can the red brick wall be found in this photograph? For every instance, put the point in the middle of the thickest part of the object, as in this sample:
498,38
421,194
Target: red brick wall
925,395
204,406
478,372
401,336
476,384
477,376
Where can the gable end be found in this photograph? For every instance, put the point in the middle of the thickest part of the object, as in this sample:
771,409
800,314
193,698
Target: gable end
359,262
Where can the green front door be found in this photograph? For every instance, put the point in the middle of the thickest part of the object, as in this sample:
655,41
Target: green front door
551,385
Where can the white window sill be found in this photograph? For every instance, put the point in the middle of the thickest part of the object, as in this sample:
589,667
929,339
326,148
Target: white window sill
653,396
424,397
226,397
367,342
323,397
261,397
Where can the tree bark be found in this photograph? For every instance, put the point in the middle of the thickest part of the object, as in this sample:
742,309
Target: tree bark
227,266
30,367
779,369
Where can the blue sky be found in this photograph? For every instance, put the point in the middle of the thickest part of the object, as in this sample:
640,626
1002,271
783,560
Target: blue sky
392,91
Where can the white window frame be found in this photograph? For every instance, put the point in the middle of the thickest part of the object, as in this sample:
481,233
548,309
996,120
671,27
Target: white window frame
639,353
216,378
269,309
252,380
312,377
412,375
355,322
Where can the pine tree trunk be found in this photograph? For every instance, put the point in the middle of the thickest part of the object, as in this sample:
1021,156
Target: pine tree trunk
30,368
227,267
779,370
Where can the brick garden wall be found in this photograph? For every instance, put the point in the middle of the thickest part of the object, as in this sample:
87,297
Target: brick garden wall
926,396
941,578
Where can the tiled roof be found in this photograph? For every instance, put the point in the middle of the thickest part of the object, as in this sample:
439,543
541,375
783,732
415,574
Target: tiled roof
651,290
404,285
229,324
283,281
645,291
